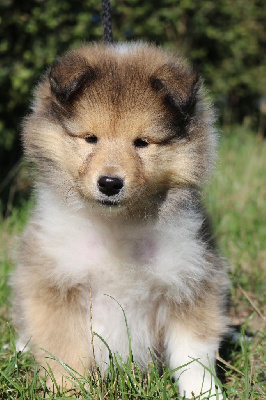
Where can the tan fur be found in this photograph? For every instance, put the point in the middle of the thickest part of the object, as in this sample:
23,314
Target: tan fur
148,251
57,317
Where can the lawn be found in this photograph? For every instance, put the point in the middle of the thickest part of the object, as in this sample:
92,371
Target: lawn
235,200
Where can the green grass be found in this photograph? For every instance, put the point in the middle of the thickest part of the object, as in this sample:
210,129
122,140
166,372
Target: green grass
235,201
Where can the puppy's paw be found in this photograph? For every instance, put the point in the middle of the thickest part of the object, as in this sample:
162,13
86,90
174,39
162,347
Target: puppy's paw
215,394
192,389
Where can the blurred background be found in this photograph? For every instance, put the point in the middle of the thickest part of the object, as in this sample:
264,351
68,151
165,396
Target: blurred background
224,39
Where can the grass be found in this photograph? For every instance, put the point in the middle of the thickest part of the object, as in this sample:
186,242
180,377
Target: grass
235,201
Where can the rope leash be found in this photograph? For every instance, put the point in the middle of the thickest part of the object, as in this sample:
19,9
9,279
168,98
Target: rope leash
107,22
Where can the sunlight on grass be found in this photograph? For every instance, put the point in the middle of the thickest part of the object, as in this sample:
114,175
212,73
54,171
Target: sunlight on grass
236,201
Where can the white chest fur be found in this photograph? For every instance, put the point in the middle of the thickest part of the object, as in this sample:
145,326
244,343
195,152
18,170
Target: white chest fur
140,267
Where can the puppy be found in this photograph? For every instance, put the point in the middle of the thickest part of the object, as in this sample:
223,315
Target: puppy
122,141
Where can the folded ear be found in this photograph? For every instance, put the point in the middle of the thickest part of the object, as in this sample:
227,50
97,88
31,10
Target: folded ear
69,76
178,86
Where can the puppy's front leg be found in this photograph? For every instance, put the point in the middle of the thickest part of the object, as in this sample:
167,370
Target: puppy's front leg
55,322
184,347
65,334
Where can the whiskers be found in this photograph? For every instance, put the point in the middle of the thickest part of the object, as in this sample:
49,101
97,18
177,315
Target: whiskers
72,196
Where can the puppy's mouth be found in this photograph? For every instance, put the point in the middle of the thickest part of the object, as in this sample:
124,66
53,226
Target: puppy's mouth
110,203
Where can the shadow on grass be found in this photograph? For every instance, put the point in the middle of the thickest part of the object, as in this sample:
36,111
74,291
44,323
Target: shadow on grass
230,346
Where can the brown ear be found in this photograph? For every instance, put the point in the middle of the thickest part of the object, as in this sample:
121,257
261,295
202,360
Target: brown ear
178,87
69,76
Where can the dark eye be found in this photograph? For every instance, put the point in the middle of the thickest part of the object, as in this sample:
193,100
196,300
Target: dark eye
91,139
141,143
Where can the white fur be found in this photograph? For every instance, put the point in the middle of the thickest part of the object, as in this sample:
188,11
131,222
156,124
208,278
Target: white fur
166,254
125,48
185,351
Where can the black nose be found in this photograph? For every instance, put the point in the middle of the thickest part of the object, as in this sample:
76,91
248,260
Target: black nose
110,185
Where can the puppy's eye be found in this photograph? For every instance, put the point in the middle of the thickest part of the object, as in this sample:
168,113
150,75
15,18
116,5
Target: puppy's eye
141,143
91,139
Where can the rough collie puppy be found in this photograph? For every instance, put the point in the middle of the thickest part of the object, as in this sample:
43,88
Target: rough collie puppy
122,140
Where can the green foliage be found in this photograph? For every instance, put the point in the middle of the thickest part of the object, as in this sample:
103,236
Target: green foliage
34,32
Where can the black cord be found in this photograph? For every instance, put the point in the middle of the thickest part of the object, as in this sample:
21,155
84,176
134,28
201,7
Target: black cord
107,22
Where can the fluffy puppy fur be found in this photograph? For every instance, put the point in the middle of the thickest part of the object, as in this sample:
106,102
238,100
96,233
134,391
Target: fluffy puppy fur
122,140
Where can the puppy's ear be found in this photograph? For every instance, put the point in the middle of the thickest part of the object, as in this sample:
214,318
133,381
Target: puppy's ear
178,87
68,77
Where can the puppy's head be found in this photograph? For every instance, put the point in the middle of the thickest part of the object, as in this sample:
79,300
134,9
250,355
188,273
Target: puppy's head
120,127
